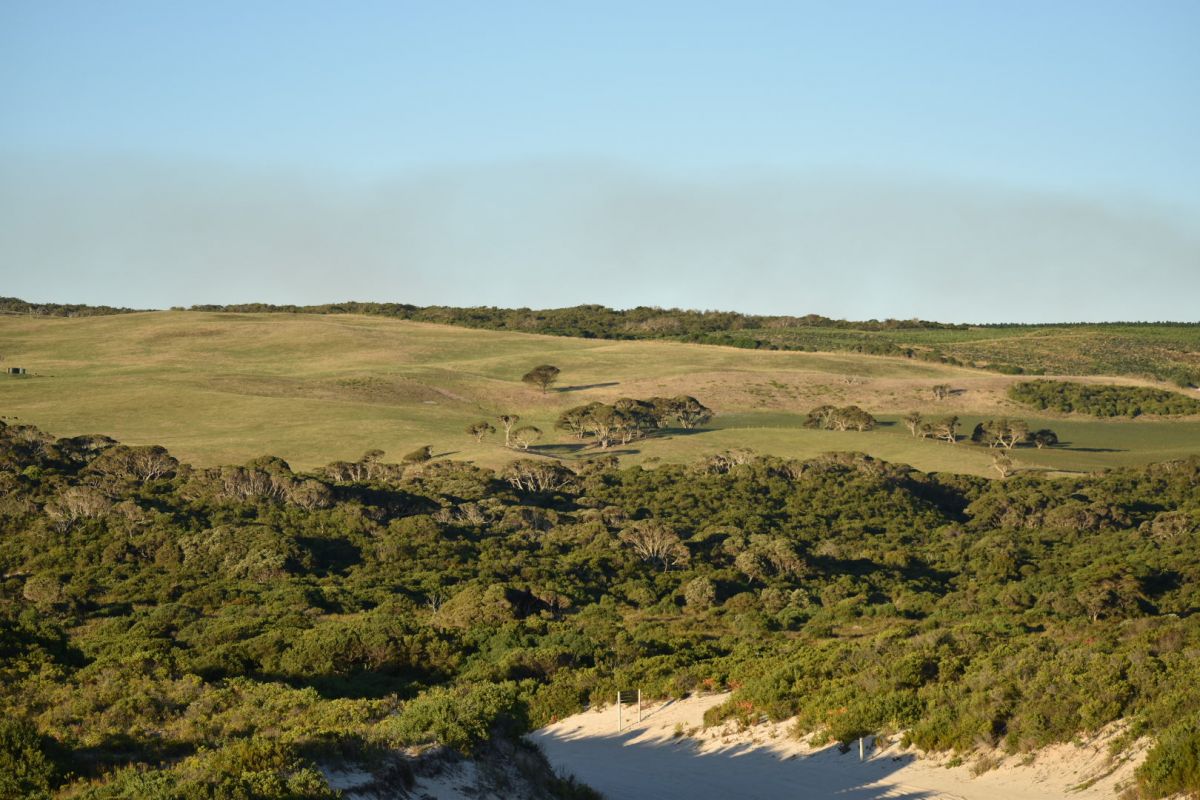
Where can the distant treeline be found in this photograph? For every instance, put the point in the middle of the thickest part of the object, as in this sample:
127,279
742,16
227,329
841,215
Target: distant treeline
1138,348
15,305
588,321
722,328
1159,350
1100,400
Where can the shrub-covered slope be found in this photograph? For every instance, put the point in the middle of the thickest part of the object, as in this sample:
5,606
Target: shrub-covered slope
166,630
1101,400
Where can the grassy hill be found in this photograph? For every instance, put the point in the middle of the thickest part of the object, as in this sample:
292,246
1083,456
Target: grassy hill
224,387
1165,351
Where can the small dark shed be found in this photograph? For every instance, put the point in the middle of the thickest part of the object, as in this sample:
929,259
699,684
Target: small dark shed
16,370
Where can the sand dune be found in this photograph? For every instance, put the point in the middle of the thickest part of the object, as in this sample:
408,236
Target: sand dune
667,757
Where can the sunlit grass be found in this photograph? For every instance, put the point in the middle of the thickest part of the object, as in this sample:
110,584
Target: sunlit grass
220,388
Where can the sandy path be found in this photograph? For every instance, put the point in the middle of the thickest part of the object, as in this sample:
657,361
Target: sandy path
651,761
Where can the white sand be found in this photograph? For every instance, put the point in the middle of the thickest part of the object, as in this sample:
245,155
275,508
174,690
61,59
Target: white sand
649,760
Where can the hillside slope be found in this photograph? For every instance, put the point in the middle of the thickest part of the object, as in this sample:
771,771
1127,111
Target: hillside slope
222,388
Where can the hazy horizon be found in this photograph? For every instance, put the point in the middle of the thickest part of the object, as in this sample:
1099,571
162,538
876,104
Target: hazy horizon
977,164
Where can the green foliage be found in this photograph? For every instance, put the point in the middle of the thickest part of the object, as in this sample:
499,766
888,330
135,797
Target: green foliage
1173,766
1101,400
419,456
831,418
244,769
542,376
205,633
13,305
463,717
25,769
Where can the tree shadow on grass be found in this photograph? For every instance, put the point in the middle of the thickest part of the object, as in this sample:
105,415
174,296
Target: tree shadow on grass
557,450
669,433
581,387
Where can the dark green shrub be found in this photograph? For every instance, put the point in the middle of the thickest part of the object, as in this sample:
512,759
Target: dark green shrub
1173,766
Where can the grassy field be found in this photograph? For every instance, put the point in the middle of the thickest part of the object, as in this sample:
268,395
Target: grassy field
223,388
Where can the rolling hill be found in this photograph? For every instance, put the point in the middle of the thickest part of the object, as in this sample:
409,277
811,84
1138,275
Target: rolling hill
226,387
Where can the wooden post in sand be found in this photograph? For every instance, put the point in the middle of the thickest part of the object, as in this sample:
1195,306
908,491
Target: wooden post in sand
618,711
639,705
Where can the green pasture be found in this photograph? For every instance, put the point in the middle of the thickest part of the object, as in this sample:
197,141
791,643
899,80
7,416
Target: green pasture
223,388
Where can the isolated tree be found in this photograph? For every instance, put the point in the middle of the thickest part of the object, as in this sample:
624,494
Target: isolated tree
655,542
419,456
947,429
941,391
912,421
481,429
1002,464
541,376
509,421
1044,438
526,435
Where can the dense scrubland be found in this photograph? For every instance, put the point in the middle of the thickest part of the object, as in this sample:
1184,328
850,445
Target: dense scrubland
219,632
1099,400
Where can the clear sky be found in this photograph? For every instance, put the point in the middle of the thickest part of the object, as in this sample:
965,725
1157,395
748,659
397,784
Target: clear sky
857,159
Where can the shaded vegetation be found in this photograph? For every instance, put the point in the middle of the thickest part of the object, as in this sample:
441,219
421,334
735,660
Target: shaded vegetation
170,631
1101,400
13,305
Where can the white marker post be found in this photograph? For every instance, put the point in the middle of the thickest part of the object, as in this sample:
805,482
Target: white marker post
860,748
630,697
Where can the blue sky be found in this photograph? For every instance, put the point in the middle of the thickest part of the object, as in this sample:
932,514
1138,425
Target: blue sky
680,154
